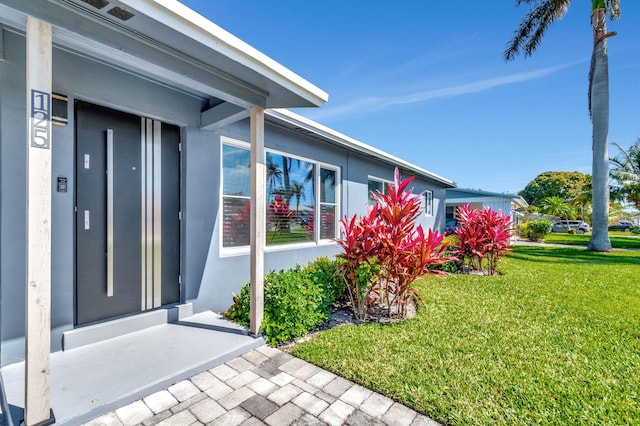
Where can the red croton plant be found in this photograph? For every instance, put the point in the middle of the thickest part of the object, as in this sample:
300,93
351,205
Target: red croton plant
384,251
483,236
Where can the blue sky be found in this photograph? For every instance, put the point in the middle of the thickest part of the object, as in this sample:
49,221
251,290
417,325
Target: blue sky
426,81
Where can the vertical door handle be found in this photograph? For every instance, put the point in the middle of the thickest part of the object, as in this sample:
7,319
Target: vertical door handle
109,212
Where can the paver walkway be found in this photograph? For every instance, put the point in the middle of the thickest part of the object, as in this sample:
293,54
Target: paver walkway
264,386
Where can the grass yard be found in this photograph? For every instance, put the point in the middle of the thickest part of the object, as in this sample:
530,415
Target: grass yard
618,239
555,340
287,237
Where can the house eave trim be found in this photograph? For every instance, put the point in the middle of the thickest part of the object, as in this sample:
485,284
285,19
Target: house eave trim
195,26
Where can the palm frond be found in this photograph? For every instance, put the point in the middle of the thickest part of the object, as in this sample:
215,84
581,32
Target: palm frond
534,25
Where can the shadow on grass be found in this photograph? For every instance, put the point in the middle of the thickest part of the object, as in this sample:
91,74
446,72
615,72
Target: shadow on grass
573,256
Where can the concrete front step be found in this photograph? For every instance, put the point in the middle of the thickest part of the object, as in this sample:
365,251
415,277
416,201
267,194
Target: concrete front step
95,378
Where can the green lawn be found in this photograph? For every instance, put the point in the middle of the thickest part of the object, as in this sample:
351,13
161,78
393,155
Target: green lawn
555,340
618,239
287,237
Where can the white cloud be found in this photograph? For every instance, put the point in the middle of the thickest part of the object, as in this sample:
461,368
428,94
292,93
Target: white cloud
378,103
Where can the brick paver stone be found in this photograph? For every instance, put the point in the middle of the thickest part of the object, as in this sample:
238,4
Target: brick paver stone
309,403
399,415
207,410
184,390
293,365
376,405
205,380
359,418
268,351
337,387
133,413
240,364
232,418
181,419
236,398
282,379
219,390
286,415
285,394
255,357
262,386
242,379
337,413
109,419
421,420
253,421
326,397
259,406
305,386
303,373
223,372
308,420
280,359
188,403
321,379
157,418
160,401
356,395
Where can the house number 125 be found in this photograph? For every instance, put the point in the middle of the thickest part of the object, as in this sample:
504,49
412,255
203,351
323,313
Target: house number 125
40,116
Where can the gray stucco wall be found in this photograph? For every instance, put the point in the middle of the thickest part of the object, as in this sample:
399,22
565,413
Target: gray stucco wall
208,277
78,78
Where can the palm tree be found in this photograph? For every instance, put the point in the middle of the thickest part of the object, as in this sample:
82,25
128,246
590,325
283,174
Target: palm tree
527,37
274,174
582,201
626,171
297,190
556,206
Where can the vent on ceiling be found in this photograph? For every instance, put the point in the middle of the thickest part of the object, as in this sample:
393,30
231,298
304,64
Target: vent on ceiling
98,4
120,13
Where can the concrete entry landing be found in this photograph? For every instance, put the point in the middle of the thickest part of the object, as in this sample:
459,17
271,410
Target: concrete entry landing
96,378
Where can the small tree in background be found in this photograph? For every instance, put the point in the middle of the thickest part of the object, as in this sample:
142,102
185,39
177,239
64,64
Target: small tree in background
625,171
556,206
483,236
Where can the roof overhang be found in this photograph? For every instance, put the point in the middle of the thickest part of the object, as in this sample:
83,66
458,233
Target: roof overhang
304,125
166,41
458,194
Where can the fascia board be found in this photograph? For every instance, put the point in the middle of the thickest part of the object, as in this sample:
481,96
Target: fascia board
195,26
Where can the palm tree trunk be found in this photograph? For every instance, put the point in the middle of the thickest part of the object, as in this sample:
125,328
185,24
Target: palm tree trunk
599,106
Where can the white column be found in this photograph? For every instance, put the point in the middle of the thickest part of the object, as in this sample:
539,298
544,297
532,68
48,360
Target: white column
258,219
38,291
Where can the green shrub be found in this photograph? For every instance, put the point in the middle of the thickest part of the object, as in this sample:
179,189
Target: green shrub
635,229
451,266
535,229
323,271
295,300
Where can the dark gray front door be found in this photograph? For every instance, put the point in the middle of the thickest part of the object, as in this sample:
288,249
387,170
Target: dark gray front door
127,224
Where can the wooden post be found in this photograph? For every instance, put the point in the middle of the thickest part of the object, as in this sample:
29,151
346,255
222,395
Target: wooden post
258,218
38,301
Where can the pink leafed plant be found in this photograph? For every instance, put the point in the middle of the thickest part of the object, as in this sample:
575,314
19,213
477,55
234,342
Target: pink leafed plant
484,236
386,248
278,214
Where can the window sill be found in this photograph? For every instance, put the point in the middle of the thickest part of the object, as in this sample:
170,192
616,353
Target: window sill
244,250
